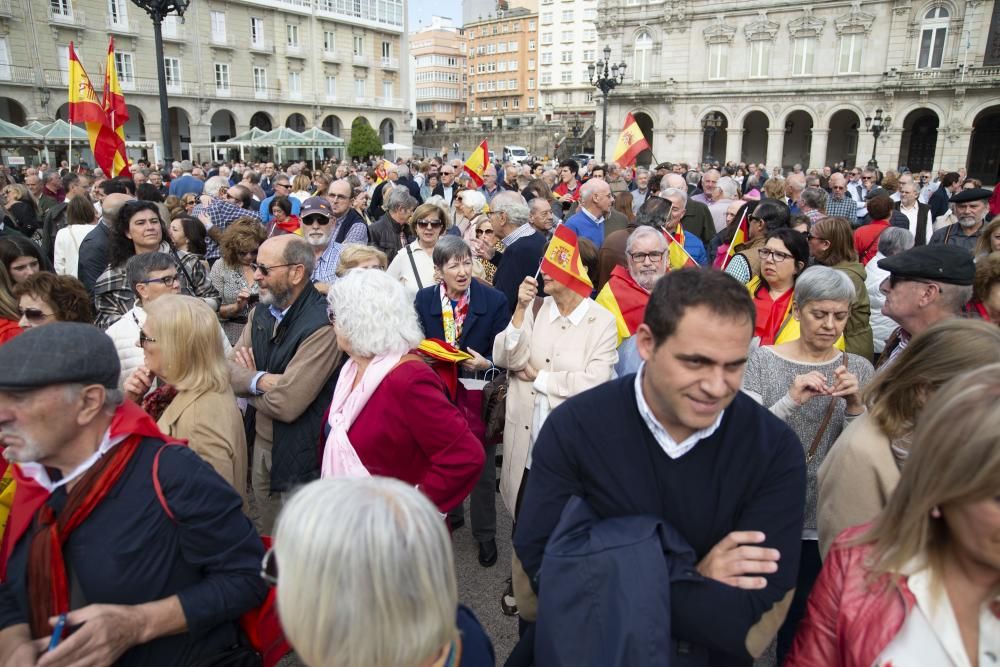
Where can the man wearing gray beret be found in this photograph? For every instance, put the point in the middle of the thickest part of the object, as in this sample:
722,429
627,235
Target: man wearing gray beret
163,560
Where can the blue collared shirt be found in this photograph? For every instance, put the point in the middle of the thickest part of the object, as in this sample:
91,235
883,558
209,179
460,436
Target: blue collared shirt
326,264
586,225
278,316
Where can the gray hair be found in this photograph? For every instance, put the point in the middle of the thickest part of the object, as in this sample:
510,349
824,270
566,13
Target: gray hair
675,192
138,267
693,177
814,198
894,240
214,184
513,205
403,171
954,297
374,313
643,232
728,186
474,199
298,251
450,247
400,199
822,283
113,398
365,552
590,188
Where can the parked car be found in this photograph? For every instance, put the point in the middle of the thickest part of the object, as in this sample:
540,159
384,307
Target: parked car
583,158
515,154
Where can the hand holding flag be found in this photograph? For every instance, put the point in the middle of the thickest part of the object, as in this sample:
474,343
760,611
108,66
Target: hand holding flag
562,262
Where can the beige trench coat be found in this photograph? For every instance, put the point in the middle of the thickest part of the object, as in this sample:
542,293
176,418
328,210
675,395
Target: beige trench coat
577,358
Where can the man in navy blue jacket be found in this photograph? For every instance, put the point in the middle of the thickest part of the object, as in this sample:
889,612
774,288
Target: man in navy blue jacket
523,245
679,441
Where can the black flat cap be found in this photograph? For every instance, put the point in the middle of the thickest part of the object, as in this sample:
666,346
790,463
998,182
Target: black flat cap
940,263
970,194
59,353
877,191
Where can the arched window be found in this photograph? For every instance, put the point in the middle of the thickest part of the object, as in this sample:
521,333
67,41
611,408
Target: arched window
643,46
933,33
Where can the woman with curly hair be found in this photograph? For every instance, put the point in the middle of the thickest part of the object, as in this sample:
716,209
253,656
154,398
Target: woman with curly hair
232,276
44,298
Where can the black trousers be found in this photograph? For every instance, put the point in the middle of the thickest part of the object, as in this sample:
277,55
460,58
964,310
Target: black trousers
810,564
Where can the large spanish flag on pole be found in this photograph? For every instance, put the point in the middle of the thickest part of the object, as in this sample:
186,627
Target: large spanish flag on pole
562,262
631,142
626,300
114,107
85,108
475,166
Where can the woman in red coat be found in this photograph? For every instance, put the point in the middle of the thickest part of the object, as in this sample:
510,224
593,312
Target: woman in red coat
391,415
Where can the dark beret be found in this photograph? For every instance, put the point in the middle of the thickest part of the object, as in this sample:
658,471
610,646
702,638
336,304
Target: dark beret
940,263
970,194
59,353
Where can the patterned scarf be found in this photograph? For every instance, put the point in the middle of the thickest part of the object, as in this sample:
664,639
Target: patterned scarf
453,319
155,403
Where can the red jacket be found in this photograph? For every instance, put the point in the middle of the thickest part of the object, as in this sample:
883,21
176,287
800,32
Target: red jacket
849,621
8,329
411,431
866,240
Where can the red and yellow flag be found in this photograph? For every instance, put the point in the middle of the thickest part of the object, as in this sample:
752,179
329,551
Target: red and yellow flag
626,300
475,166
679,257
562,262
382,171
117,112
85,108
631,142
739,238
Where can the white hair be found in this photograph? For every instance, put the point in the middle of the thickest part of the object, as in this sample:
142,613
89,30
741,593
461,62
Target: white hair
728,186
641,232
822,283
590,188
474,199
366,574
374,314
214,184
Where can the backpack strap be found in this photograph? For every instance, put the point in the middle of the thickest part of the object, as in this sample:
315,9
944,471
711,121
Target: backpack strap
156,481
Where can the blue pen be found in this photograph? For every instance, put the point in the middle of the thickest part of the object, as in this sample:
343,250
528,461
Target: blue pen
57,632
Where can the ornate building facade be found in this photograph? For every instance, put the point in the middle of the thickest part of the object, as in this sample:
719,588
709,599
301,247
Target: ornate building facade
785,83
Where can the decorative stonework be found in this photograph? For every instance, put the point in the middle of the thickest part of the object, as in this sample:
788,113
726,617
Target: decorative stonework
761,28
675,17
855,21
807,25
719,32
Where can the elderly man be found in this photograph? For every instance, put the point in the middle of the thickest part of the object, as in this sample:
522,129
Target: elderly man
891,242
693,247
653,213
446,185
812,203
595,203
490,188
708,181
179,560
187,182
627,291
285,363
318,232
392,232
725,193
794,185
220,206
641,191
540,216
916,215
282,188
523,245
840,204
37,190
697,217
349,226
926,284
971,207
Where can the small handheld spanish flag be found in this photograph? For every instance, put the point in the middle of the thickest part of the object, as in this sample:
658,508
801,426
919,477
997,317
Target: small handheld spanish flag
739,238
562,262
475,166
679,257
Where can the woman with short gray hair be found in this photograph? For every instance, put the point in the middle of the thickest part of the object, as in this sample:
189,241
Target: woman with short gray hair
367,579
816,389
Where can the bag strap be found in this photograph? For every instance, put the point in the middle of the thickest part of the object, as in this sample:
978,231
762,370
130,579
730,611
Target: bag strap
416,274
180,265
826,420
156,482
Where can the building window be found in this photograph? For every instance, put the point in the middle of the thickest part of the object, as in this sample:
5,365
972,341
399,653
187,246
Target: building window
512,66
850,54
589,35
505,103
222,78
329,41
566,57
643,46
760,59
62,55
4,60
118,13
359,46
125,68
531,45
502,66
386,51
359,87
256,31
547,58
588,56
803,53
387,92
218,20
717,61
546,38
546,18
531,84
531,64
933,34
295,85
531,26
590,14
566,77
566,36
517,103
531,102
331,87
292,31
567,16
260,81
546,78
172,71
61,8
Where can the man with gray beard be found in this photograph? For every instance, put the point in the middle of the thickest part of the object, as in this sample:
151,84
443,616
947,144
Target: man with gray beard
971,207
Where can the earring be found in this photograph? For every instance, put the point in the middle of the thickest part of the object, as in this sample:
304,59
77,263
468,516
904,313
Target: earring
935,512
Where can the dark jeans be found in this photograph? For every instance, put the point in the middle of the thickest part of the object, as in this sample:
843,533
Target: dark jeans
810,564
483,503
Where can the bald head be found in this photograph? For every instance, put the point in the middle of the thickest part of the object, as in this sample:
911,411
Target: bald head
673,181
112,205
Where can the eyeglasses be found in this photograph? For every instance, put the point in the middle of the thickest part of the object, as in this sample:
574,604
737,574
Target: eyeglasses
248,253
168,281
480,232
429,223
641,257
321,220
447,173
282,185
775,255
265,270
34,314
143,338
895,280
269,568
867,178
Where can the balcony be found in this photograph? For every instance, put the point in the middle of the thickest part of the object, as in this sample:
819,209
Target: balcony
361,61
222,41
261,93
330,56
6,10
19,74
223,91
69,17
294,51
122,26
297,6
364,101
389,63
390,102
261,46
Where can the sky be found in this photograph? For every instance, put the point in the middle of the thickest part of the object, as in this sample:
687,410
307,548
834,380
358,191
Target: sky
423,10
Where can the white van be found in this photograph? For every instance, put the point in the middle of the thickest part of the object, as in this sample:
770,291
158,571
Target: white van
516,154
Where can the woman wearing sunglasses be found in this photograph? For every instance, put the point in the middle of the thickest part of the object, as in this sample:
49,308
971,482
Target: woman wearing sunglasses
45,298
413,265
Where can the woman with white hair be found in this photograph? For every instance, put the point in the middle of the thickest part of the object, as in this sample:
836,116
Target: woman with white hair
816,389
365,577
470,212
390,414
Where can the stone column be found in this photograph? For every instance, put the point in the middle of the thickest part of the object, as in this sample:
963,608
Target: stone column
734,144
775,146
817,152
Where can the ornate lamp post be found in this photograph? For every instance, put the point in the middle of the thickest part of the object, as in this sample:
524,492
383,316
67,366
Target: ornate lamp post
876,126
710,124
605,76
158,10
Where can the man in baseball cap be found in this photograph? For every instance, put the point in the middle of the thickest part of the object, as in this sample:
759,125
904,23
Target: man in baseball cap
971,206
317,230
926,284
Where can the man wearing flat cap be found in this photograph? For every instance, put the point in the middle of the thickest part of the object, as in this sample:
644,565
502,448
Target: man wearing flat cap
141,545
971,207
926,284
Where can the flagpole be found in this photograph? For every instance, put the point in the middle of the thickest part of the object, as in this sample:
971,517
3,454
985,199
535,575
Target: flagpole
539,269
673,239
730,255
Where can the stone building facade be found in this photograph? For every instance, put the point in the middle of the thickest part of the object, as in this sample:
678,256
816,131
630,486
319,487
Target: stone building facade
784,82
440,76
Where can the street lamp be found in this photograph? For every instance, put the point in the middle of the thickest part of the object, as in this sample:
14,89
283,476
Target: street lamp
605,80
710,124
876,126
158,10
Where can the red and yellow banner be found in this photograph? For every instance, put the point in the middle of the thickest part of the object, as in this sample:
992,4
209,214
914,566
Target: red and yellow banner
382,171
631,142
475,166
117,112
739,238
562,262
626,300
679,257
85,108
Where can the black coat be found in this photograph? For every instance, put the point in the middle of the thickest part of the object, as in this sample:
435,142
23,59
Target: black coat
488,315
521,259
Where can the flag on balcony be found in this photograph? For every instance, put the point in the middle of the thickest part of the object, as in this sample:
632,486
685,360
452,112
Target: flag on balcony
631,142
117,112
85,108
562,261
475,166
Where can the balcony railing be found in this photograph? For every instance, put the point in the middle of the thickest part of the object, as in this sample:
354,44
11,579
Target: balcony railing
389,63
261,46
5,9
390,102
18,74
69,17
224,41
363,61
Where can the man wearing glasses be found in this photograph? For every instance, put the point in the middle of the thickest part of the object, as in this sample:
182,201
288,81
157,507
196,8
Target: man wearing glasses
859,189
282,188
840,204
446,185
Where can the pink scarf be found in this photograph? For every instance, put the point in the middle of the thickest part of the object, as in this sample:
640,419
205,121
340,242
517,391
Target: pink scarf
339,457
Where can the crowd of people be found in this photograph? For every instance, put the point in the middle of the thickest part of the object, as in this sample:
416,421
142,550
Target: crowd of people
755,404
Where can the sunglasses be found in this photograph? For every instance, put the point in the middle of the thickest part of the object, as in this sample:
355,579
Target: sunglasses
143,338
320,220
34,314
168,281
265,270
336,197
480,232
430,223
269,568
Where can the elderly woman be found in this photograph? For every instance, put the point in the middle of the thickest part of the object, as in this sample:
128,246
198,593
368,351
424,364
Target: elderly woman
283,220
365,575
357,256
470,212
393,226
138,230
44,298
20,257
986,288
783,258
863,467
22,212
413,265
831,243
802,382
360,203
390,414
918,586
233,277
767,216
182,348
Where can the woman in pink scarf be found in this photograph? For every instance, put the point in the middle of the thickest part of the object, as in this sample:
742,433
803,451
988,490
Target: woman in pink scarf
390,414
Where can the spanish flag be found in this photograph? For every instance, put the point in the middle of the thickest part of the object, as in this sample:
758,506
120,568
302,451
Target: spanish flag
382,171
562,262
475,166
631,142
626,300
679,257
739,238
117,112
85,108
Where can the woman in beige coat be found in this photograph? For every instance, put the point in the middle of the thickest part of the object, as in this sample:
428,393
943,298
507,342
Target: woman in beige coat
182,347
863,465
